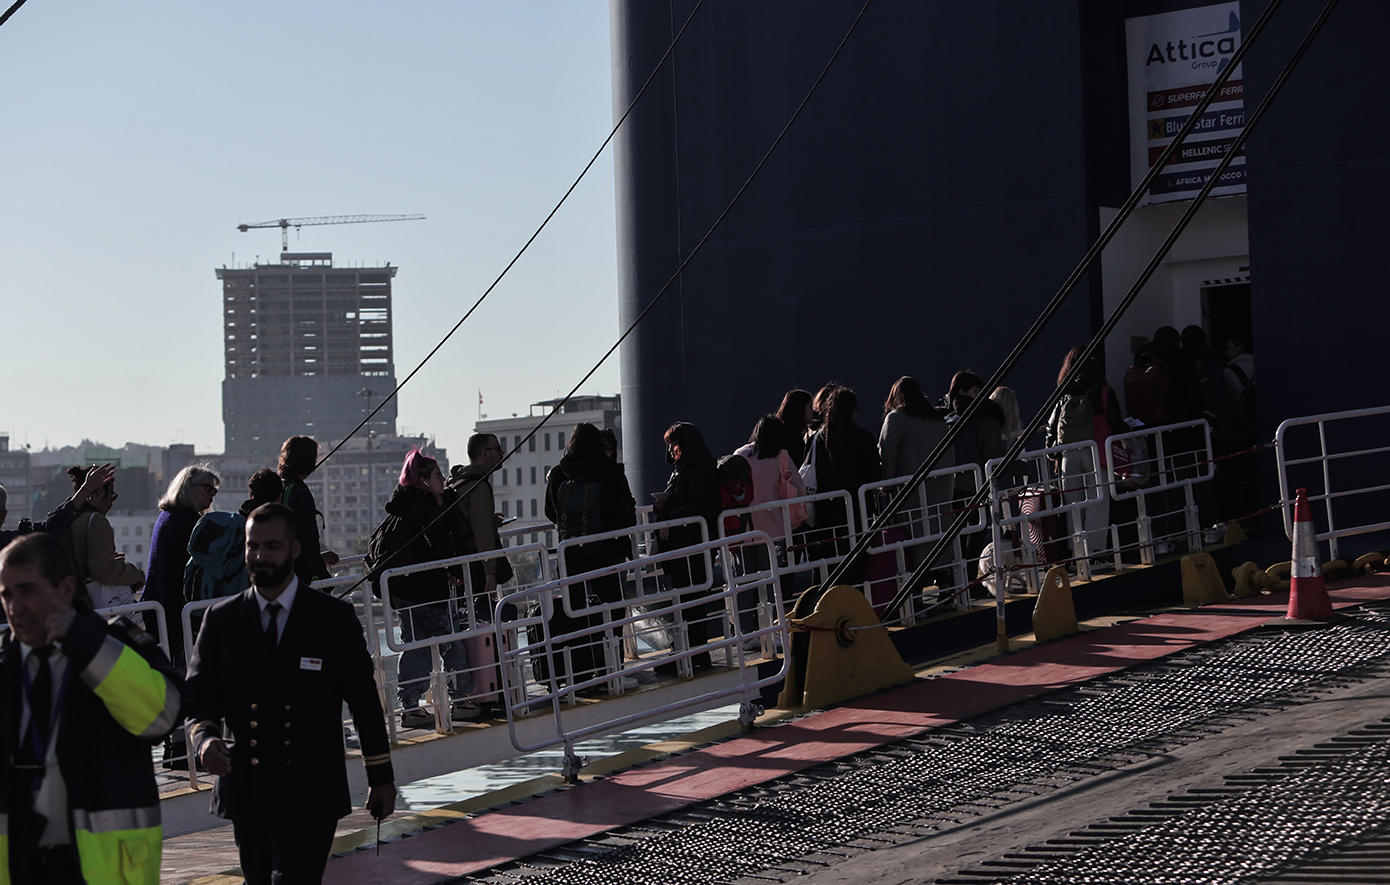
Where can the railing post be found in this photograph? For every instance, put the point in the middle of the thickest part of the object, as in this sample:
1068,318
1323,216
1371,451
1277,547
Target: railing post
959,574
439,691
1145,527
1194,531
996,532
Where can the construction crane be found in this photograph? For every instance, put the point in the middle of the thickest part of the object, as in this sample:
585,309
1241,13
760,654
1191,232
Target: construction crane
286,223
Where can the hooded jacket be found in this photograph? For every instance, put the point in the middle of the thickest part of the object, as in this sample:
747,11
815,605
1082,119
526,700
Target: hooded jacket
616,505
421,536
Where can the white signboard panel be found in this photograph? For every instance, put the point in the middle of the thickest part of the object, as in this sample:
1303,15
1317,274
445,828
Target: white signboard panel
1173,58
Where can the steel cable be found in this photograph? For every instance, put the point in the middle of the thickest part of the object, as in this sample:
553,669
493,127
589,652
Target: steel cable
522,251
660,293
1091,256
1252,121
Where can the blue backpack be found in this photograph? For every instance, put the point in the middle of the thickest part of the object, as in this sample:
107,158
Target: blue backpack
216,557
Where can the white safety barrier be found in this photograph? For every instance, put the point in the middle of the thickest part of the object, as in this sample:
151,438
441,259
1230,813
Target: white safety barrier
461,611
134,612
1327,454
552,657
1161,460
638,539
915,528
1026,494
805,548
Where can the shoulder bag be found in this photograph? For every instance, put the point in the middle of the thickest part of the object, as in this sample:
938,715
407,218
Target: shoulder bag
808,477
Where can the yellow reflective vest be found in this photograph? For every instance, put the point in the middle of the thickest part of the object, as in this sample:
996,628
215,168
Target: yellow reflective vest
121,696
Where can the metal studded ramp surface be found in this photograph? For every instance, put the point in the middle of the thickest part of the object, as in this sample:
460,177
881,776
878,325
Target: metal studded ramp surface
490,840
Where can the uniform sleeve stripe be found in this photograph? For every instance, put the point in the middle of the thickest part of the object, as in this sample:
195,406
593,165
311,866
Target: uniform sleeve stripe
379,759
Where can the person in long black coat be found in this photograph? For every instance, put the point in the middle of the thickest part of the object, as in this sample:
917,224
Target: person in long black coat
692,490
424,534
586,470
846,458
298,460
277,662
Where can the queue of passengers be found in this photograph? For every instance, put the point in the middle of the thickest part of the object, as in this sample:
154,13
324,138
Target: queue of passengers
195,552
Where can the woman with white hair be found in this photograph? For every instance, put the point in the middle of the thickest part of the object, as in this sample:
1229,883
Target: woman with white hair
190,494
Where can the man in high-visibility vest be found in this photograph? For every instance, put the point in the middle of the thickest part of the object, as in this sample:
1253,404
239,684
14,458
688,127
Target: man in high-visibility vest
83,701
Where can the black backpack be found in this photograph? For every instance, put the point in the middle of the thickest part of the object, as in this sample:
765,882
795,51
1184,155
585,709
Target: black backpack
391,536
577,504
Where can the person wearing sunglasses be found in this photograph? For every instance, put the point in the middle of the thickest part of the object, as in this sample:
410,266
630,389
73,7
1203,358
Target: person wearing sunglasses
190,494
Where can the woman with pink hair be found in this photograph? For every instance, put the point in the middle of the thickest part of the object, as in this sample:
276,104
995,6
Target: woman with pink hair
419,532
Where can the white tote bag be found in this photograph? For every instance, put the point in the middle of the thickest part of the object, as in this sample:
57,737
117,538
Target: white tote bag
107,595
808,477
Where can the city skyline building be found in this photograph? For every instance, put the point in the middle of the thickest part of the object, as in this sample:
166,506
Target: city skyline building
14,476
308,350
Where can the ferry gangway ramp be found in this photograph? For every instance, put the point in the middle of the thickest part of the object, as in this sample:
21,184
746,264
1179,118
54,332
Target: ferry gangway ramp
1186,746
743,657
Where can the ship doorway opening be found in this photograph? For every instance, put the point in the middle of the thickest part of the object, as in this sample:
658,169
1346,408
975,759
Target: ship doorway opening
1226,318
1226,315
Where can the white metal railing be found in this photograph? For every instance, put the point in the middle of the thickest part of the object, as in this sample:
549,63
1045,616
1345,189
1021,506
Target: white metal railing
139,608
531,612
462,609
1336,471
1159,468
807,549
536,623
1026,493
915,528
640,538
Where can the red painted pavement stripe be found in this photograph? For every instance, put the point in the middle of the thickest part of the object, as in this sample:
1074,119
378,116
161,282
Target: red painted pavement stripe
628,797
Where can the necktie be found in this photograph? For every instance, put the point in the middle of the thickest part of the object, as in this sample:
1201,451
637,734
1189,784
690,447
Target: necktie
40,702
271,638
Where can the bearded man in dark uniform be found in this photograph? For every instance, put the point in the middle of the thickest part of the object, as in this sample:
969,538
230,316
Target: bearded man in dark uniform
276,663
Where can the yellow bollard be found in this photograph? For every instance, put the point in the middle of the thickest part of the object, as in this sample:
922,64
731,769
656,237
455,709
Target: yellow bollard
1201,581
1054,614
840,650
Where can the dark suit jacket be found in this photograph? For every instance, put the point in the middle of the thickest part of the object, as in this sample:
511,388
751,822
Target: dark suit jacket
284,710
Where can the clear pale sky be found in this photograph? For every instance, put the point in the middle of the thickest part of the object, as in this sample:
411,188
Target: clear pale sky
138,135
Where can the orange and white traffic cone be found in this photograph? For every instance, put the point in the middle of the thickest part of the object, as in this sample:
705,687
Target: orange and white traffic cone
1308,598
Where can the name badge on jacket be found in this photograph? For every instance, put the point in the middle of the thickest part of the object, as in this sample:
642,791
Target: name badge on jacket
311,663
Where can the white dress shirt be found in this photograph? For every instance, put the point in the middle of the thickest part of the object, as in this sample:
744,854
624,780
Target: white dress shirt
52,800
286,600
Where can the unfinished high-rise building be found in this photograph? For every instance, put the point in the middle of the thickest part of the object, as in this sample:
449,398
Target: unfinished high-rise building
308,351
